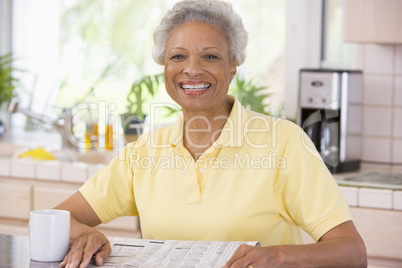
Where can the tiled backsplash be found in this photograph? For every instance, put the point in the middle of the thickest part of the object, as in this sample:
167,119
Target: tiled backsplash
77,172
372,198
382,101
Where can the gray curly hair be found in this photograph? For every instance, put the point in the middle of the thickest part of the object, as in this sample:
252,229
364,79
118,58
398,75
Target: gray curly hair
215,12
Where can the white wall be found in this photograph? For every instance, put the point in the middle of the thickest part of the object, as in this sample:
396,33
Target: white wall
303,47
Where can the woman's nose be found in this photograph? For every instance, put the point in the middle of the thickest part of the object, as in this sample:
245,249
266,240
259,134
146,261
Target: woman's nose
193,67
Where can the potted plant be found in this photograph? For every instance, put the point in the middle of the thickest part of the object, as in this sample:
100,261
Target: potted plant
7,83
140,91
249,94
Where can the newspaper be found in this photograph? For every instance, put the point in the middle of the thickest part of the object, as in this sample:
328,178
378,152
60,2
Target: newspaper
129,252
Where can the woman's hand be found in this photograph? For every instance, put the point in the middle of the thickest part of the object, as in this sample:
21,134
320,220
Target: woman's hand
84,248
341,246
85,241
249,256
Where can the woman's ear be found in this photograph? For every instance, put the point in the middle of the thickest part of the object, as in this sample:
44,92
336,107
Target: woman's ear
233,71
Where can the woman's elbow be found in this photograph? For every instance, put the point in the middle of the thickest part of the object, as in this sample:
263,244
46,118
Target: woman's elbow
360,253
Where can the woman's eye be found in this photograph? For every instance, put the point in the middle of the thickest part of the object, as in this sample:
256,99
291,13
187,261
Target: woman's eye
211,57
177,57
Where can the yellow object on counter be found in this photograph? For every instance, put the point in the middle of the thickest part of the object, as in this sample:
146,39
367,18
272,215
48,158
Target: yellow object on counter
38,154
109,137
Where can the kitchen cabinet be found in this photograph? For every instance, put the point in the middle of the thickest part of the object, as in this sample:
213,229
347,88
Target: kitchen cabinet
15,200
27,185
373,21
19,196
381,230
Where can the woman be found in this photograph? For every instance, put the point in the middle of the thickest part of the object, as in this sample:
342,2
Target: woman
221,172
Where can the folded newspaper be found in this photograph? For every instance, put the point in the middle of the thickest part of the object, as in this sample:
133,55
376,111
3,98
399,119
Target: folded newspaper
130,252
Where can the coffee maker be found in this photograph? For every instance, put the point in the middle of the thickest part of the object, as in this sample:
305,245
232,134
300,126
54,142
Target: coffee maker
330,108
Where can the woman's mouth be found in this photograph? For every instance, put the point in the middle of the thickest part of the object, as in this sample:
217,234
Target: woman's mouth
195,88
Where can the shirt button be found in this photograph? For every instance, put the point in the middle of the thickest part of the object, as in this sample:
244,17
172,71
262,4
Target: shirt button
201,170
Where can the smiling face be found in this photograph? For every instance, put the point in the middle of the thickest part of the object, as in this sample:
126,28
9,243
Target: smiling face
198,69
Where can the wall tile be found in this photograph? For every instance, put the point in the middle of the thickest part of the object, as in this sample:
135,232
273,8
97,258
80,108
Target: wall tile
377,90
375,198
376,150
379,59
397,122
48,170
397,200
397,151
358,58
377,121
382,110
398,91
398,60
350,194
74,172
23,168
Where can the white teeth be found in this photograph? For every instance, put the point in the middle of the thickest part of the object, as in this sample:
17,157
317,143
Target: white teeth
195,87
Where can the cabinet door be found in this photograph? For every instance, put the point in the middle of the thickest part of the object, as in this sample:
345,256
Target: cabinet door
49,197
15,200
373,21
381,230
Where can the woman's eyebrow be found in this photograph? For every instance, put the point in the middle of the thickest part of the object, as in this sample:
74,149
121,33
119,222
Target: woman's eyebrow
179,48
206,48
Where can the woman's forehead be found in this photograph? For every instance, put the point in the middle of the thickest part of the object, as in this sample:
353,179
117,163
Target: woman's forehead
198,33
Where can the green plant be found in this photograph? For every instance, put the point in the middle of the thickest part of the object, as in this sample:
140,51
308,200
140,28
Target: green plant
140,91
249,94
7,79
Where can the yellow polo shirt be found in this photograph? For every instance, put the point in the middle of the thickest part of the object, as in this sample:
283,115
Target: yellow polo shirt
259,181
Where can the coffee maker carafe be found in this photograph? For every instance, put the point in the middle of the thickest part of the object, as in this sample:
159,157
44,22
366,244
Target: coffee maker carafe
330,106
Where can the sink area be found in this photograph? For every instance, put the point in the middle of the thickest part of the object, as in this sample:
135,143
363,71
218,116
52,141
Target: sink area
94,157
7,150
70,166
11,151
382,180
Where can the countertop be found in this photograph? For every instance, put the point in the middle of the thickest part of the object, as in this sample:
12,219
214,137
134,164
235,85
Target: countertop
372,176
14,253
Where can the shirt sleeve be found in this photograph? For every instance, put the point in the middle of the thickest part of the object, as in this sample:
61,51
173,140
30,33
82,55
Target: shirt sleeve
110,191
306,193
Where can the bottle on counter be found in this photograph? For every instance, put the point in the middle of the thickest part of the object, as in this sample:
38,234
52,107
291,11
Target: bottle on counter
88,139
95,134
109,140
92,119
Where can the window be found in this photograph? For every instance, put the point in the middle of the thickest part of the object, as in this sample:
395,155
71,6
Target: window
335,53
69,47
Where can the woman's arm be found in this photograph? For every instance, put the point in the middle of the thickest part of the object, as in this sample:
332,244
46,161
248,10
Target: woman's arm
85,241
342,246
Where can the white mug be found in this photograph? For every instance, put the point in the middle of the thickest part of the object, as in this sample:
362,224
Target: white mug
49,234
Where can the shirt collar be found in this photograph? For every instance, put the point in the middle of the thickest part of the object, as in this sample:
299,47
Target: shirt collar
232,134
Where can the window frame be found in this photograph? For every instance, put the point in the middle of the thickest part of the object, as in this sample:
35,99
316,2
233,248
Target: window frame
304,27
5,26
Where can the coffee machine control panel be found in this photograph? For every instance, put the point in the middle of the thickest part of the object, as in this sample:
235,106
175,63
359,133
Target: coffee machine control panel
319,90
